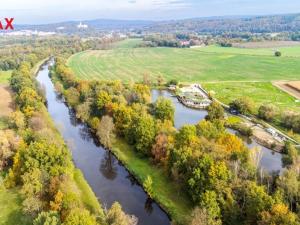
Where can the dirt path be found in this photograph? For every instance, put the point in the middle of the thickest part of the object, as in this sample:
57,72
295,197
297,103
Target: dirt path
6,101
288,88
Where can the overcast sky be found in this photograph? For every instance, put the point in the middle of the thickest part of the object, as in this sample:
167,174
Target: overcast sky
46,11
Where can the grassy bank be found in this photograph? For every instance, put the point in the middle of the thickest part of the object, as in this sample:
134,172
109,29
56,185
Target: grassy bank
11,207
166,192
4,76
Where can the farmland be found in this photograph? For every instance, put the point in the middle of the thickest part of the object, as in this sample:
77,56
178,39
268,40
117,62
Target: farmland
186,65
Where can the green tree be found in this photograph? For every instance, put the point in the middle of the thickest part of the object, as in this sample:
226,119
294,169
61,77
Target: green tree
164,109
148,185
144,131
79,216
215,111
244,105
47,218
267,112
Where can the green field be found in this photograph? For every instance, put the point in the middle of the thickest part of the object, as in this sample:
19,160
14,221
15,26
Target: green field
286,51
4,76
260,92
186,65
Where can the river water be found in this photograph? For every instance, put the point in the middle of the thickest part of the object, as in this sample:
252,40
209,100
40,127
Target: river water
270,160
109,180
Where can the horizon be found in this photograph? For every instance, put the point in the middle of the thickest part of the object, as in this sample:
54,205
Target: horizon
36,12
149,20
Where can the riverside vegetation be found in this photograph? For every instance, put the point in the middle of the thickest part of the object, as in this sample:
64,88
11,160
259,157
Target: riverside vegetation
216,175
38,179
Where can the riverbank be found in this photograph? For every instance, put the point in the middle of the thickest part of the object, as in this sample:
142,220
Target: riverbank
166,192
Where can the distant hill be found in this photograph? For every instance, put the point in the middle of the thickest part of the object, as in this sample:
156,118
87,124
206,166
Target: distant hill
253,24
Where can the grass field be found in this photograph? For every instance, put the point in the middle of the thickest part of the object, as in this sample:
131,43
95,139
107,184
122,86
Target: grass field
260,92
4,76
186,65
293,51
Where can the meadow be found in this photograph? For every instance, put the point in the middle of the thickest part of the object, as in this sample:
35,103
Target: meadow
260,92
211,63
4,76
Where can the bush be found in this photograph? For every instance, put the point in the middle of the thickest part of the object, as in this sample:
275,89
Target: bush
277,53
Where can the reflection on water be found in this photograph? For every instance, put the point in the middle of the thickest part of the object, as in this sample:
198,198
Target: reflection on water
148,206
108,166
270,160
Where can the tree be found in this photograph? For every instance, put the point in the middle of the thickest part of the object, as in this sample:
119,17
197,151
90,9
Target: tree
186,135
277,53
32,206
279,215
47,218
8,146
243,105
79,216
210,130
200,216
267,112
164,109
215,111
105,131
116,216
160,150
72,96
122,118
207,175
102,99
143,131
209,202
148,185
141,93
254,200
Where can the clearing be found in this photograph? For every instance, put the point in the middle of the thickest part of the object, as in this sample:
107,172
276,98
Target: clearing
6,101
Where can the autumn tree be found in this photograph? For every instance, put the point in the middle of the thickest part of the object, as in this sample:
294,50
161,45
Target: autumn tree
102,99
116,216
279,215
160,149
105,131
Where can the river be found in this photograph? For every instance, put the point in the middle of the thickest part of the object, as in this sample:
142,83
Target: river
109,180
270,160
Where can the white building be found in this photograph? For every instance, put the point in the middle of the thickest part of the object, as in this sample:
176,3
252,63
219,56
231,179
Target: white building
82,26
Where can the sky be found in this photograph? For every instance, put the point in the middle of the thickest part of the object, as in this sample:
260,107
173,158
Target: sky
49,11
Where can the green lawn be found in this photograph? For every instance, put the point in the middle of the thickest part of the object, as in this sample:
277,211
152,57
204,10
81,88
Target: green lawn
11,208
166,192
4,76
293,51
129,43
260,92
186,65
